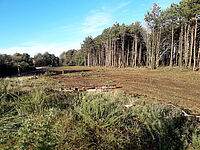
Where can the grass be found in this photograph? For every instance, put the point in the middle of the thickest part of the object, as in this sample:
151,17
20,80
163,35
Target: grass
40,119
110,81
32,117
165,85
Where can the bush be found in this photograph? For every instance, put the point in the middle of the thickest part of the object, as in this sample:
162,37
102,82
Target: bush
103,123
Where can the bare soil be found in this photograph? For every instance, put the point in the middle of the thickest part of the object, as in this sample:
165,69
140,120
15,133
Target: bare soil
165,85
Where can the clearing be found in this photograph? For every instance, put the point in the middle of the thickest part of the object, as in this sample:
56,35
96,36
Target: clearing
165,85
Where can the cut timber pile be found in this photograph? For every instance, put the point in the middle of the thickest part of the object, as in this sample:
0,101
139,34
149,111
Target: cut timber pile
103,88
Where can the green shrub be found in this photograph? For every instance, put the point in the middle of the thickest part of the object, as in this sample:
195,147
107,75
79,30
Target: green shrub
110,81
48,73
38,132
103,123
98,110
85,74
101,70
93,125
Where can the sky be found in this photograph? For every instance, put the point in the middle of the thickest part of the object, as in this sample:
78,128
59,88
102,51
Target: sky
55,26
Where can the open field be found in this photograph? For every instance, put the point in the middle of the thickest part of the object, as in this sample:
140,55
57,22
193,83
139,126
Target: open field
165,85
36,113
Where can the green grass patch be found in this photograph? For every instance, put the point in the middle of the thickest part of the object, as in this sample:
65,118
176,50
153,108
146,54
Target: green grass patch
110,81
100,70
127,80
97,76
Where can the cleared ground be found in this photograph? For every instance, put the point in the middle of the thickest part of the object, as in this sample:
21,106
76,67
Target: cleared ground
165,85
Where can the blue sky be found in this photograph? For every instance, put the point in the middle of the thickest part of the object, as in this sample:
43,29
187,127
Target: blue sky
33,26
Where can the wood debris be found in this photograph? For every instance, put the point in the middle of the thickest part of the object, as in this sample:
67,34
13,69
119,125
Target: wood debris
103,88
185,113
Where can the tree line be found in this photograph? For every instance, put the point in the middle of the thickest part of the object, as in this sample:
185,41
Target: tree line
169,38
10,64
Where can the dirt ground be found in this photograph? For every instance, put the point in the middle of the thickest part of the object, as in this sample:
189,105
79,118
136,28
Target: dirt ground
165,85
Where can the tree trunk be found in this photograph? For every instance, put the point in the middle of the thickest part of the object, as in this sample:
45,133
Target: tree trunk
147,46
198,59
135,50
110,53
185,44
186,52
103,55
119,56
115,57
127,59
107,53
181,47
123,50
195,39
158,49
113,53
177,49
85,59
99,55
172,47
153,51
140,55
150,51
88,57
191,46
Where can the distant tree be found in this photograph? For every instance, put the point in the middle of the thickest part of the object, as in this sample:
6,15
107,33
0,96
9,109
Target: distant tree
17,57
78,58
9,64
87,47
46,59
66,58
38,60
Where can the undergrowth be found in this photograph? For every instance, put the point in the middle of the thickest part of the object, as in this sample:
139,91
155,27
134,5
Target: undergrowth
40,119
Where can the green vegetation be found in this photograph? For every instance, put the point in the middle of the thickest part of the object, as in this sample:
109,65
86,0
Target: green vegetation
170,38
40,119
35,114
101,70
72,58
110,81
46,59
10,64
48,73
85,74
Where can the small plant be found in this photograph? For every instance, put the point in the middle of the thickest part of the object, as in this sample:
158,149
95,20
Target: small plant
110,81
3,88
97,76
101,70
85,74
48,73
126,80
